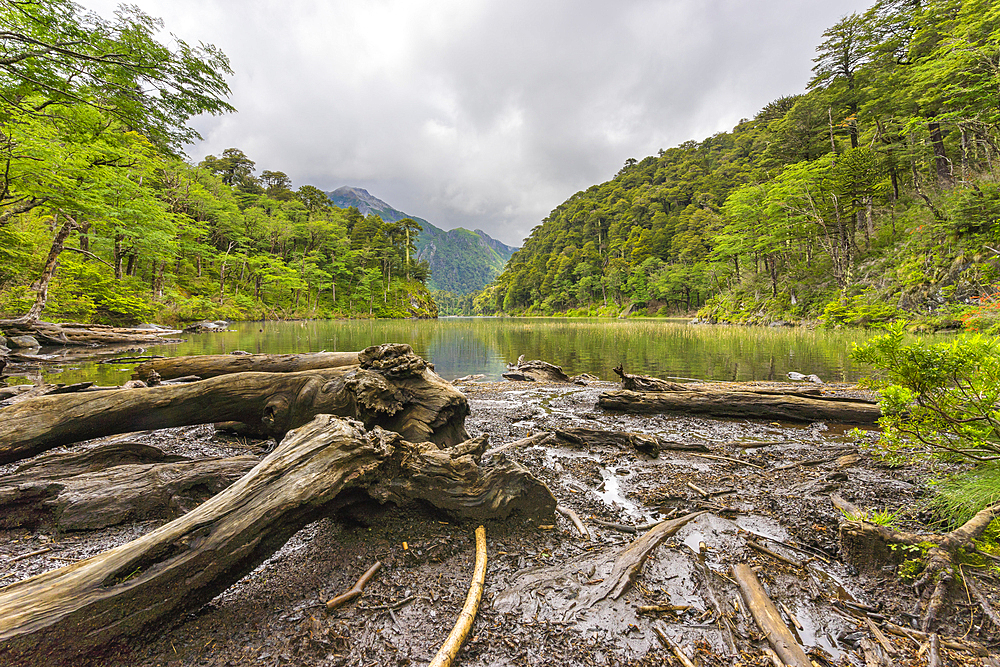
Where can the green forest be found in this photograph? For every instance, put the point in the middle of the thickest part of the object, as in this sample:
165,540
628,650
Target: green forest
871,196
102,219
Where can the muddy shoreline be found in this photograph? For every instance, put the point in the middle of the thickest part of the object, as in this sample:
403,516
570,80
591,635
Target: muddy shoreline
774,491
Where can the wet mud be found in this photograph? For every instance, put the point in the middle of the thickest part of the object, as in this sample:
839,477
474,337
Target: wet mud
761,491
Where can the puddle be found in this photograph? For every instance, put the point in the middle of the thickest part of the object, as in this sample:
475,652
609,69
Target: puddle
609,491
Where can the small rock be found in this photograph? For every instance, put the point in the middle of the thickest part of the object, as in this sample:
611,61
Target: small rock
23,341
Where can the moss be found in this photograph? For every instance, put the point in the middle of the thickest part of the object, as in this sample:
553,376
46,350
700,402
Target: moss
909,570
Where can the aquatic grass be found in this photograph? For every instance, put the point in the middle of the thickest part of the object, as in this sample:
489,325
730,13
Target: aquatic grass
961,496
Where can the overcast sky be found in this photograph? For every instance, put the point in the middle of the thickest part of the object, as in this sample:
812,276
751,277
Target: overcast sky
487,114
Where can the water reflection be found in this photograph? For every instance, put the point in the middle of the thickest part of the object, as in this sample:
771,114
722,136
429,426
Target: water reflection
467,346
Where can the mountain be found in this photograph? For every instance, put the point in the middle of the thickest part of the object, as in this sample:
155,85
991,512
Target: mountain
461,261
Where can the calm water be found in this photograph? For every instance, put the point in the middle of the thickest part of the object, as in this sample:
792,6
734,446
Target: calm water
467,346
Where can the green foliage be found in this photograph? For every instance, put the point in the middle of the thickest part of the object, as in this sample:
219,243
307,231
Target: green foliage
858,311
90,112
870,197
942,396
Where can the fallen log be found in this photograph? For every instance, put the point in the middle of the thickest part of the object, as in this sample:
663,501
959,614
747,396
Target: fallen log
213,365
768,618
112,484
642,442
319,468
535,370
742,404
72,333
392,388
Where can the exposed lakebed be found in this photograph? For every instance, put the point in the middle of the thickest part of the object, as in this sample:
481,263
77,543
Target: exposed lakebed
774,492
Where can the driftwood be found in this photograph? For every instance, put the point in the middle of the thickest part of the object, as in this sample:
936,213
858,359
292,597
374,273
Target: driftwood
646,383
642,442
630,561
213,365
559,592
535,371
110,484
742,404
769,618
319,468
69,333
392,388
449,650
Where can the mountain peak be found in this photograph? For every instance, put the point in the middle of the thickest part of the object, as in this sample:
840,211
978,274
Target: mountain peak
461,261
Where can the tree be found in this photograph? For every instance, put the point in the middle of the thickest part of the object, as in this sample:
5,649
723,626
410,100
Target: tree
944,396
56,55
234,167
843,51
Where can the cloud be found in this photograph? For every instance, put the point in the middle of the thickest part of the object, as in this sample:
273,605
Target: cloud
488,114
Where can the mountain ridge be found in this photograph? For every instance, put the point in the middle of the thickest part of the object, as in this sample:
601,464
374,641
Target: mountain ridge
461,260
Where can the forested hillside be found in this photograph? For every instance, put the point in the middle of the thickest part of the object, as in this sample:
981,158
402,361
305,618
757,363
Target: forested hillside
460,261
101,220
871,195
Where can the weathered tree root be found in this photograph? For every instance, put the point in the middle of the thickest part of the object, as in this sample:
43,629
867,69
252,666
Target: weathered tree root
866,544
319,468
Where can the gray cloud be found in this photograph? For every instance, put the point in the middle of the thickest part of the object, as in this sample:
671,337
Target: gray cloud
488,114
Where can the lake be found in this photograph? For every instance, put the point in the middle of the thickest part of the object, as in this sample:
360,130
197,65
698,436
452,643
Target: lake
461,346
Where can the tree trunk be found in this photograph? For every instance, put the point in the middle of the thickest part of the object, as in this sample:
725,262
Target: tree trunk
213,365
942,166
392,388
41,286
111,484
119,255
85,334
323,466
742,404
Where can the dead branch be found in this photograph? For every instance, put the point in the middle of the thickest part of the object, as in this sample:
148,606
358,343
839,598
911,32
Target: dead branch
575,518
661,631
355,590
449,650
768,618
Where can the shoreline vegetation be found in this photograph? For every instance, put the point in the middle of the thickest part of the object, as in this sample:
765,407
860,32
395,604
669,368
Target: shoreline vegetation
870,197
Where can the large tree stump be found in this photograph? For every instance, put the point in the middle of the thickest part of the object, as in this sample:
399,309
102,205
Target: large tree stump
55,617
213,365
110,484
742,404
392,388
